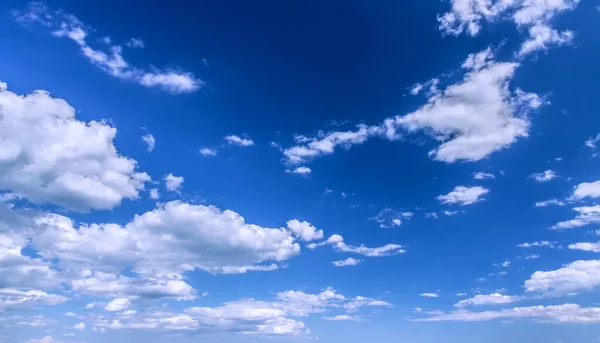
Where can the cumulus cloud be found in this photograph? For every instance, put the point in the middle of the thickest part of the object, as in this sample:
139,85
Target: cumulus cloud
111,61
49,156
299,170
429,295
80,326
549,202
150,141
464,195
239,141
347,262
491,299
304,230
542,36
343,317
574,277
118,304
586,190
544,176
483,176
173,183
338,244
14,298
537,244
208,152
585,246
586,215
154,195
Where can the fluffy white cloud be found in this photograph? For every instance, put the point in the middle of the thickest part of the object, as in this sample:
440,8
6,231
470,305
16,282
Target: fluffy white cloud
304,230
338,244
170,240
343,317
154,195
483,176
585,246
429,295
537,244
80,326
566,313
544,176
549,202
14,298
468,15
299,170
150,141
112,62
491,299
464,195
586,190
574,277
173,183
236,140
118,304
50,156
586,215
347,262
208,152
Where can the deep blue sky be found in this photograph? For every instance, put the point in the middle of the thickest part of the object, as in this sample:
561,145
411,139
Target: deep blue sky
270,70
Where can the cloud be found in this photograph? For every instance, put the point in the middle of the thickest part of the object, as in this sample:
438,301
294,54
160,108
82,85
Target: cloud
338,244
566,313
591,142
549,202
575,277
467,16
586,215
173,183
390,218
491,299
483,176
154,195
208,152
429,295
14,298
118,304
586,190
150,141
537,244
464,195
343,317
236,140
585,246
62,24
544,176
45,339
354,304
299,170
80,326
347,262
304,230
135,43
49,156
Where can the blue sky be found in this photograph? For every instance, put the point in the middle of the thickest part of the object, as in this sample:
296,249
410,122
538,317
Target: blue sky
295,171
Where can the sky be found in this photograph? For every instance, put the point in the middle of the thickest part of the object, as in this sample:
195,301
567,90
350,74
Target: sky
299,171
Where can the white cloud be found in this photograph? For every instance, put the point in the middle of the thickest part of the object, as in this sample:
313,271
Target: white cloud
14,298
586,215
544,176
236,140
468,16
429,295
94,304
49,156
304,230
483,176
354,304
173,183
168,241
45,339
591,142
390,218
541,36
586,190
150,141
112,62
135,43
491,299
338,244
585,246
566,313
537,244
575,277
343,317
347,262
299,170
80,326
118,304
464,195
154,195
549,202
208,152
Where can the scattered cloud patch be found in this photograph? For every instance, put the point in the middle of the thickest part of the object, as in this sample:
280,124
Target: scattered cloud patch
304,230
338,244
299,170
585,246
574,277
491,299
208,152
150,141
239,141
173,183
544,176
347,262
463,195
483,176
135,43
549,203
